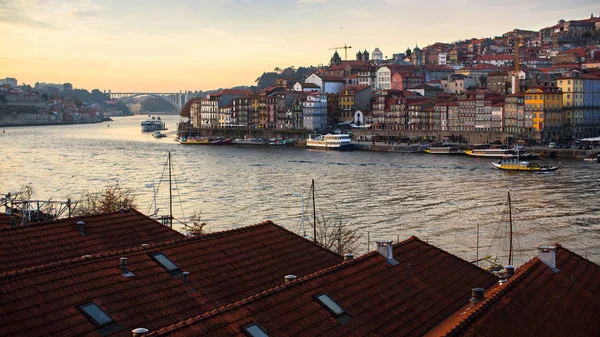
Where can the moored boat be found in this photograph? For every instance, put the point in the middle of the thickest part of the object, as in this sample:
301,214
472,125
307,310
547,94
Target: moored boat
444,149
500,153
158,134
414,148
194,141
517,165
339,142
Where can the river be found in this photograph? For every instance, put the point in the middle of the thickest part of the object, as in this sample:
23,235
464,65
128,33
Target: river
384,195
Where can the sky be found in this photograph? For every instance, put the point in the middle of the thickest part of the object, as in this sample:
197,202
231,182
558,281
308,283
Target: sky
168,46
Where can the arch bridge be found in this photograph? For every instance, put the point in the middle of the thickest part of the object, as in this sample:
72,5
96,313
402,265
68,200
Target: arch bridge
177,100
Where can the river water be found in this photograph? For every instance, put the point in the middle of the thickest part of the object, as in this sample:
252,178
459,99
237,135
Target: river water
384,195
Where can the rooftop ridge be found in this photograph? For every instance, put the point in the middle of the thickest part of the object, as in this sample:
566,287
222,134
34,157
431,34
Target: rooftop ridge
521,273
73,218
151,246
270,291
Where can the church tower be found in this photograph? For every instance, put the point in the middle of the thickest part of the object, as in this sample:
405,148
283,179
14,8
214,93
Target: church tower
335,59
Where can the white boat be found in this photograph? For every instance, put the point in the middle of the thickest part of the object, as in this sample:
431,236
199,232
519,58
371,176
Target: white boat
158,134
337,142
153,124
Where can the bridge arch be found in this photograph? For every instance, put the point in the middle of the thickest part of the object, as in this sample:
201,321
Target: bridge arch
128,97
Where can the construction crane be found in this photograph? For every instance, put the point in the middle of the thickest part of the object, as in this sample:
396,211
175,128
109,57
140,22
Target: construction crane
345,48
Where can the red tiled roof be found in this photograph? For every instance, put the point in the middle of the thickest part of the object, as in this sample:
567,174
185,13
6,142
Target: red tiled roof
231,92
42,243
310,85
4,220
536,302
381,299
356,88
499,57
224,267
333,79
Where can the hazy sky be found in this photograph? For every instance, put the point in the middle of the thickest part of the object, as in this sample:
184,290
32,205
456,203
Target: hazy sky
151,45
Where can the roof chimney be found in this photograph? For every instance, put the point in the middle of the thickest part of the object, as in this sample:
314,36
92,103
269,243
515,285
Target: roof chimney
139,332
547,254
477,295
12,222
289,278
348,256
185,274
124,268
384,248
509,271
81,227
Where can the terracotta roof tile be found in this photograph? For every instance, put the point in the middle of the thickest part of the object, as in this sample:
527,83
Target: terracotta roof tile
381,299
4,220
536,302
45,242
224,267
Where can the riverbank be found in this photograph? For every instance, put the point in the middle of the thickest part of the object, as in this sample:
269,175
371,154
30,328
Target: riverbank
4,125
543,151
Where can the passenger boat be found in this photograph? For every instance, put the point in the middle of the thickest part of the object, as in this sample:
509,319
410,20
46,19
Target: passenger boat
158,134
517,165
153,124
337,142
444,149
500,153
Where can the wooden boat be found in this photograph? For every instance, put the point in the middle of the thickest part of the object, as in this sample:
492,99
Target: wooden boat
194,141
517,165
500,153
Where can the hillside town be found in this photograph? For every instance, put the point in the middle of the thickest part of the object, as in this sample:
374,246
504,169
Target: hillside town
538,85
51,104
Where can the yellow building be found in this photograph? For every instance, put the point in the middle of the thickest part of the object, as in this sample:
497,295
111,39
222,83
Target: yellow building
346,104
545,104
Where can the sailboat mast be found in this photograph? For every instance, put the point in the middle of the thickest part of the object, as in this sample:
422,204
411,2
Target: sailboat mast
170,194
314,212
510,244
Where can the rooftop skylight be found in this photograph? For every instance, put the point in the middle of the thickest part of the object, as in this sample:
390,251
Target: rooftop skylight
166,263
330,305
95,314
253,330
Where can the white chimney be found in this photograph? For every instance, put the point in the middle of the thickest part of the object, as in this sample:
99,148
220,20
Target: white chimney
547,254
384,247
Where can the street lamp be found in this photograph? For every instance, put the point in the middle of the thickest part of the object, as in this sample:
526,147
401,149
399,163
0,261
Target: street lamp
301,195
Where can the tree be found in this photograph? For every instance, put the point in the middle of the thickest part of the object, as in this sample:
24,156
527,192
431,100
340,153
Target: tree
108,200
186,110
337,235
197,226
